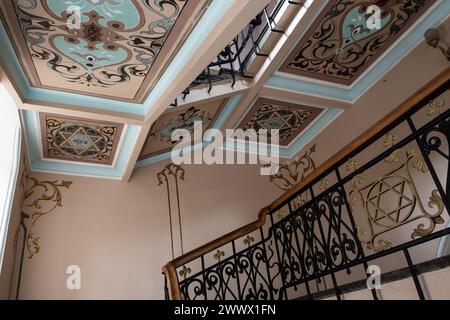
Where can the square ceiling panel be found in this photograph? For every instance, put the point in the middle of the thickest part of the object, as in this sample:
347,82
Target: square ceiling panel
291,119
342,44
107,48
159,139
80,140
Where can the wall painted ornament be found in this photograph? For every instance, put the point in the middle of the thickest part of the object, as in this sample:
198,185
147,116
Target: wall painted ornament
340,45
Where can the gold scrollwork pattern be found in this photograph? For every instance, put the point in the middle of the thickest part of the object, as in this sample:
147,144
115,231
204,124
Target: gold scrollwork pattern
294,171
390,201
435,108
39,198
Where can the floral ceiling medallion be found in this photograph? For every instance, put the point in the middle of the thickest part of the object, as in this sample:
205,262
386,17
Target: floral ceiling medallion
341,44
107,48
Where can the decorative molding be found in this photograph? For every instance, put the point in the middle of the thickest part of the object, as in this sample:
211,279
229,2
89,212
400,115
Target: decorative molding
39,198
117,52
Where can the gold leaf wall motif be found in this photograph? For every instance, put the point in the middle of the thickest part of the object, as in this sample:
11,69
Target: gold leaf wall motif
291,173
294,171
38,199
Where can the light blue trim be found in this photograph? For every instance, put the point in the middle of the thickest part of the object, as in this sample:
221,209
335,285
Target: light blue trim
434,18
301,141
216,10
226,112
37,164
303,86
380,67
10,59
167,155
324,120
219,123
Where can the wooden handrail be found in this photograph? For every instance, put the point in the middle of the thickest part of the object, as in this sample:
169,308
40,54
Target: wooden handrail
170,269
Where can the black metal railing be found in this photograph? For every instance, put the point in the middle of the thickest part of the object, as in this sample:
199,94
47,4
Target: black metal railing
233,61
360,210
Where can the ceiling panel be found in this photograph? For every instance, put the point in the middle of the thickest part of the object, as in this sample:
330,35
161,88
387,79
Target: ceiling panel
160,135
291,119
80,140
115,51
340,45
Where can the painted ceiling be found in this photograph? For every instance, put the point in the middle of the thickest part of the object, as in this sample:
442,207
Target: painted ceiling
80,140
159,139
90,91
106,48
340,46
289,118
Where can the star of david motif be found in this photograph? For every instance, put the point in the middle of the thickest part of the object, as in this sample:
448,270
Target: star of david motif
273,117
289,119
80,141
276,120
384,213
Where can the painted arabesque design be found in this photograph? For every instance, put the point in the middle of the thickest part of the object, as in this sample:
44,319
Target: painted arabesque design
112,45
293,171
340,46
290,119
39,198
184,121
77,140
159,139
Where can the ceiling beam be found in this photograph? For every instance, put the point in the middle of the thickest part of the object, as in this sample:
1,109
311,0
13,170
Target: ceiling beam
227,26
304,18
302,98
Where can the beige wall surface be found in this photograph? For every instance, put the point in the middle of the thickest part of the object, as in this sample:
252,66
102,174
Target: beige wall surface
118,233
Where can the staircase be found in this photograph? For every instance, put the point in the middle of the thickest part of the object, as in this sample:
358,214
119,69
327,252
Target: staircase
377,210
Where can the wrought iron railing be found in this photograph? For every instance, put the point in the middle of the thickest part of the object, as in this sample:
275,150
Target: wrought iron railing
353,210
233,60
